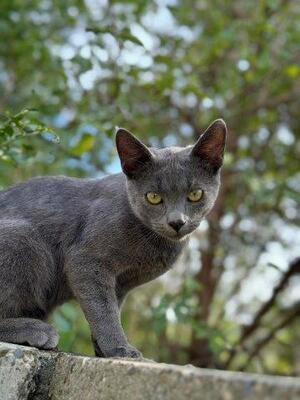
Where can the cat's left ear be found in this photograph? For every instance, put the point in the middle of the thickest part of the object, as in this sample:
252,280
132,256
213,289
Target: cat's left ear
134,155
211,145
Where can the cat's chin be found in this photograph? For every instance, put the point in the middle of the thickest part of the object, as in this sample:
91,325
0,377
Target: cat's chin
176,238
181,239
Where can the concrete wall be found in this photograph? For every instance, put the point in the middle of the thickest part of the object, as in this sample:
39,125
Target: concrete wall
27,373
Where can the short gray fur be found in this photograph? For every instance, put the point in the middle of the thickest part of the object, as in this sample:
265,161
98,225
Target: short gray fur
96,239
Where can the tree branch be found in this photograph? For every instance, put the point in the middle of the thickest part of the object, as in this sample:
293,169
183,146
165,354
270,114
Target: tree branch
294,269
295,312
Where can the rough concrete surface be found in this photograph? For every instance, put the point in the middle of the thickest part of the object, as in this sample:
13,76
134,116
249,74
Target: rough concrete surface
27,373
20,371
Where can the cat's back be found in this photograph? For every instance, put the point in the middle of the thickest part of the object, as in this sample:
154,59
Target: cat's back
56,193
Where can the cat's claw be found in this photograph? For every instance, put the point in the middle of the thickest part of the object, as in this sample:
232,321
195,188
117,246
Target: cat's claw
124,352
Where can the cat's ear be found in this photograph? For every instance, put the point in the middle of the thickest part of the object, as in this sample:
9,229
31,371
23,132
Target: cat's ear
134,155
211,144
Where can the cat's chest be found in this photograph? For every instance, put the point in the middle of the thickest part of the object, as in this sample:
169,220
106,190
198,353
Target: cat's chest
148,263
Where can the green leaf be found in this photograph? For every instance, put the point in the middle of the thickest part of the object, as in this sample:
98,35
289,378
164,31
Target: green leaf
293,70
127,35
85,144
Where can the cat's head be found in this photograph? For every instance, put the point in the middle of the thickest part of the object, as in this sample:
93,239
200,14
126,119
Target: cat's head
172,189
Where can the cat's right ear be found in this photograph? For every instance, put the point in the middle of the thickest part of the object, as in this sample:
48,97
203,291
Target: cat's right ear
134,155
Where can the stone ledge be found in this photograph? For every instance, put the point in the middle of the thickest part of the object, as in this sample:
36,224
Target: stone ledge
27,373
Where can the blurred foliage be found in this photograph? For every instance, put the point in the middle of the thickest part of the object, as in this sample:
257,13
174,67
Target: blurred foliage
16,127
165,70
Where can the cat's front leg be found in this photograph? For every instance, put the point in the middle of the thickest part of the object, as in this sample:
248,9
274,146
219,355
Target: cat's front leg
97,349
103,316
121,293
99,302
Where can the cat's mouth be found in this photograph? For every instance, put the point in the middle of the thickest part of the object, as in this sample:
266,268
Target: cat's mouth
174,236
170,234
182,234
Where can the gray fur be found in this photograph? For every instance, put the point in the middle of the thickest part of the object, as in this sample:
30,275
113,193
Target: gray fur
96,239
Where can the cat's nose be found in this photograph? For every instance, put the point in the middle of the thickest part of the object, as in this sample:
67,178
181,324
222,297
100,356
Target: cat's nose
177,225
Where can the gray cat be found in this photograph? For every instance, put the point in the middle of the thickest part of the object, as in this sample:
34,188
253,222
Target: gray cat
96,239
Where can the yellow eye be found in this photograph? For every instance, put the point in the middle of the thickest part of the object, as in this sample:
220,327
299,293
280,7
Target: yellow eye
195,195
153,198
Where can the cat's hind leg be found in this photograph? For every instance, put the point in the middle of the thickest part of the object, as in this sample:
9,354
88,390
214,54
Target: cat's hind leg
28,331
26,270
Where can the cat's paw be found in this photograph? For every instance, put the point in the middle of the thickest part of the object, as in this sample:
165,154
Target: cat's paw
124,352
42,336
